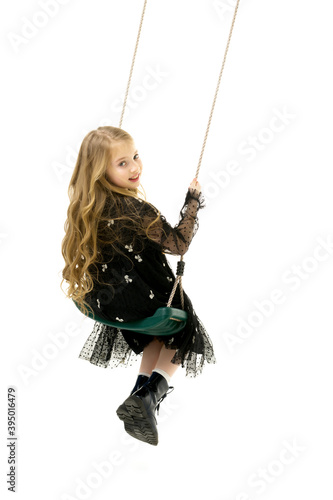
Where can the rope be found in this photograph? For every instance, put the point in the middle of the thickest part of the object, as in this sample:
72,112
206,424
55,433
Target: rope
173,291
217,90
181,292
132,66
179,278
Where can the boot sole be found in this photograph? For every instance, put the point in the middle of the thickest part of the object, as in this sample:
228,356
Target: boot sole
127,419
134,415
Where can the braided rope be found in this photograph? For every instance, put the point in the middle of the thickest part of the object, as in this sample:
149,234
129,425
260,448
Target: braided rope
217,90
179,278
173,291
181,292
132,66
172,294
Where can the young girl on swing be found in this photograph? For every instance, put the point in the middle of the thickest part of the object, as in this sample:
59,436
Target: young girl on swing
114,250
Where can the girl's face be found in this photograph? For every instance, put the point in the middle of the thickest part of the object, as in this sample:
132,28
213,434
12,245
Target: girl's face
126,166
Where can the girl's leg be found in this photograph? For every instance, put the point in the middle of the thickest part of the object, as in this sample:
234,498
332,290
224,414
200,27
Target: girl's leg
157,356
164,361
150,356
138,410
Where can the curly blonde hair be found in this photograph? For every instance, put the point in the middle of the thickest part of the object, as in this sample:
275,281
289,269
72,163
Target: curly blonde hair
90,193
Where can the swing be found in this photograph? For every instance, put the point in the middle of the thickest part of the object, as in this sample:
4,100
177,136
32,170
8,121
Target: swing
166,320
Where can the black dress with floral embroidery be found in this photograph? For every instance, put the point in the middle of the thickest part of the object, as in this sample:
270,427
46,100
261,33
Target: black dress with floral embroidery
142,280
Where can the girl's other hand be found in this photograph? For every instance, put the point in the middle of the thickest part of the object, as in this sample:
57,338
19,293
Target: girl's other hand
195,185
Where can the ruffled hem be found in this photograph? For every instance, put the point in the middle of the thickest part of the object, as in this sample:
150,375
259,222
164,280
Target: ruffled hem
111,347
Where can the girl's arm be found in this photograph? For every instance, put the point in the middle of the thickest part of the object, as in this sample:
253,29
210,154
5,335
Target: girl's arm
176,240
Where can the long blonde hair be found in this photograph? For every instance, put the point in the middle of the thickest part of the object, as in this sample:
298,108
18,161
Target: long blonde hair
90,192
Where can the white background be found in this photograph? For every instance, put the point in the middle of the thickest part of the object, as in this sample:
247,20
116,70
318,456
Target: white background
225,434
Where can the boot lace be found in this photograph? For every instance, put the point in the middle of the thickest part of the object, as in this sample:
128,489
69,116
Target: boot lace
162,398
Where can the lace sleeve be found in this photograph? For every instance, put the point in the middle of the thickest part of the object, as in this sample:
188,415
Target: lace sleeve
176,240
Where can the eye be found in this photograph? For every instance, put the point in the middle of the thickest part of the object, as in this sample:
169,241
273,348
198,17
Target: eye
135,157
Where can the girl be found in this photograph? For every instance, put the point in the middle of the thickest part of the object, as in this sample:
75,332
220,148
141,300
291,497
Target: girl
114,250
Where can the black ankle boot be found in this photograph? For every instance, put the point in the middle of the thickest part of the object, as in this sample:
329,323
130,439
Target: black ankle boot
140,381
122,411
141,422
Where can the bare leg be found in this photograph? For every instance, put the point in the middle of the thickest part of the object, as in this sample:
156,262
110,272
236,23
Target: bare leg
138,410
164,361
150,356
156,355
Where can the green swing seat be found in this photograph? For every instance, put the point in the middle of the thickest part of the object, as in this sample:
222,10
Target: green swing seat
165,321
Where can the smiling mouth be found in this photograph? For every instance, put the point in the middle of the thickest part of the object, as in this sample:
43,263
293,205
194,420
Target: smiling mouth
135,178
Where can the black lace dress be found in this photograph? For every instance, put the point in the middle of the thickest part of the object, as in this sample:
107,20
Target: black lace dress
142,280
